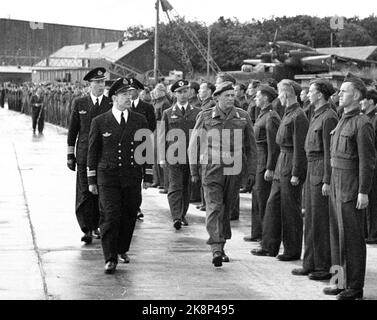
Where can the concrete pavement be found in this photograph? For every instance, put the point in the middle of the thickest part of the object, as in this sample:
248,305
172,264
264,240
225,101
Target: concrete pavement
41,256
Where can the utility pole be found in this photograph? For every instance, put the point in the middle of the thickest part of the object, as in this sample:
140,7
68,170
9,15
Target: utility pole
156,42
208,51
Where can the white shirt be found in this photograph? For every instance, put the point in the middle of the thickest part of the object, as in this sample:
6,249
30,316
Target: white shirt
117,114
182,106
94,98
135,102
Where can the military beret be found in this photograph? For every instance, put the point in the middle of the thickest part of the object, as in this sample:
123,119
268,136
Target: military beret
224,86
109,83
269,91
136,84
120,85
372,94
357,83
194,85
324,86
179,85
227,77
95,74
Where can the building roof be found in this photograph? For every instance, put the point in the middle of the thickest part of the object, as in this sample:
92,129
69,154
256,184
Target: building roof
14,69
94,51
362,53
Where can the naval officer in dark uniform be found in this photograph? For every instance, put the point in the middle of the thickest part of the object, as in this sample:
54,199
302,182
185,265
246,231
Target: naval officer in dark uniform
116,170
84,109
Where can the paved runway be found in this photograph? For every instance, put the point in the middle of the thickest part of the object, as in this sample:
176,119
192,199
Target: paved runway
42,257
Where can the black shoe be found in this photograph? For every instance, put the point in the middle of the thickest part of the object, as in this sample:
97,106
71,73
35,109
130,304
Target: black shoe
300,272
332,291
184,222
234,218
319,275
124,258
87,237
285,257
96,234
203,208
163,191
110,267
177,224
350,294
140,216
260,252
225,257
251,239
243,190
217,259
371,241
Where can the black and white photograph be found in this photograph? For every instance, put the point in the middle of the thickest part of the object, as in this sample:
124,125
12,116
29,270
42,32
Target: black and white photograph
186,156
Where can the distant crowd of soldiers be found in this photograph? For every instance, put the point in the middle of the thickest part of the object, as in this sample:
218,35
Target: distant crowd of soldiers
308,157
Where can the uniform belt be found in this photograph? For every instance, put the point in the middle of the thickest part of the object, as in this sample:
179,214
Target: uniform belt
286,149
344,164
314,157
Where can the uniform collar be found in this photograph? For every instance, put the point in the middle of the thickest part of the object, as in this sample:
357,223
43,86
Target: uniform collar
291,108
351,113
321,110
136,102
266,109
94,98
218,113
117,114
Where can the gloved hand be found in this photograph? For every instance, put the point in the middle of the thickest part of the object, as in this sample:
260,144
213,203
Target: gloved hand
71,162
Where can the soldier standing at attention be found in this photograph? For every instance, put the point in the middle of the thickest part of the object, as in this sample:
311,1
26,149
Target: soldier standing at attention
37,112
221,160
317,256
265,129
239,90
179,118
283,220
369,107
353,159
116,171
84,109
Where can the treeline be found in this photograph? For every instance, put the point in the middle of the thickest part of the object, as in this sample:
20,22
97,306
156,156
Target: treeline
233,41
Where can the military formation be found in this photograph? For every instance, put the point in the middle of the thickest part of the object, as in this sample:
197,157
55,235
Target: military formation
307,156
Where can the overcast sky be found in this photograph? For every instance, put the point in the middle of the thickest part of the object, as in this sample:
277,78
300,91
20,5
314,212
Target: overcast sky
120,14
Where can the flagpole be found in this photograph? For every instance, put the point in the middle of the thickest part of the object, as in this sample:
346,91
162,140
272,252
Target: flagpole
156,42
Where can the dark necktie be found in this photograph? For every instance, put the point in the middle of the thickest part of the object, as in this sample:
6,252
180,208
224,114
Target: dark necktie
97,103
133,105
122,121
183,111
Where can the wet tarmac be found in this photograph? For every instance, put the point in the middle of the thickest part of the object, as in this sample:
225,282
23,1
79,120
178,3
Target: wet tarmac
41,256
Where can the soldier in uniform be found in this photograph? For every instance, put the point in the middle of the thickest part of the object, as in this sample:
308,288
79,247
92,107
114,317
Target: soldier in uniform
193,95
181,116
144,109
252,110
221,169
84,109
317,256
265,129
369,107
116,171
239,90
37,112
283,219
353,159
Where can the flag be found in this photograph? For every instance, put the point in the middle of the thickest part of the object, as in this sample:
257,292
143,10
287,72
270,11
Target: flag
166,6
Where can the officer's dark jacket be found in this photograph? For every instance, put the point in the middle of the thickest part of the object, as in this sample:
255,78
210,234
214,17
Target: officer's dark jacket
111,154
147,111
353,150
265,129
172,118
208,103
317,143
291,139
215,119
83,111
37,101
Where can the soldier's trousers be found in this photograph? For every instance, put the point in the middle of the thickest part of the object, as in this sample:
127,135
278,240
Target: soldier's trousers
179,190
261,192
317,255
87,210
283,219
118,217
371,210
221,197
348,248
38,118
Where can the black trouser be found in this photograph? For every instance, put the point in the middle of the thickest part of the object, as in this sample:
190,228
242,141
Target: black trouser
260,194
87,211
38,116
118,217
179,190
317,255
348,248
283,219
371,210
